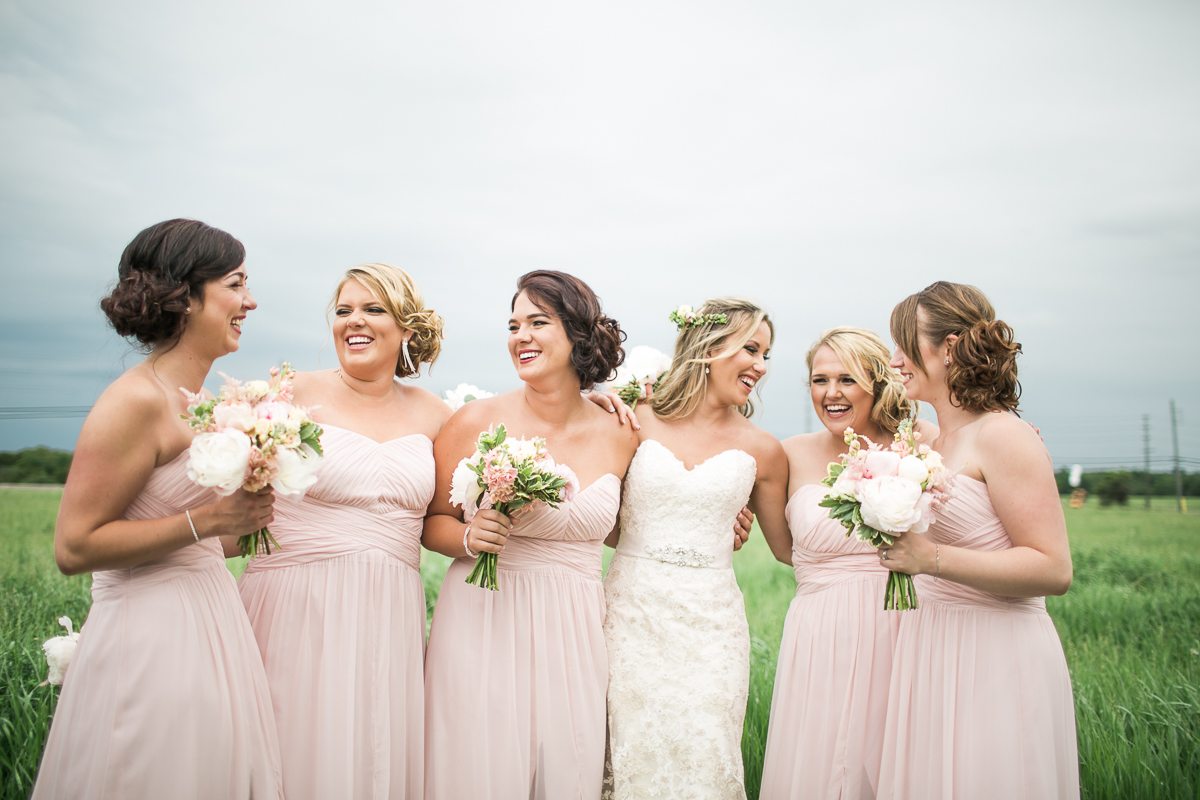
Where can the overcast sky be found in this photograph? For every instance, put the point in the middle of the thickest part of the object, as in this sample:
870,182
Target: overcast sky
824,159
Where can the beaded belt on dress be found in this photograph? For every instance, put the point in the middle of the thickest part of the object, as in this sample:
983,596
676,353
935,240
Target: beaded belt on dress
679,555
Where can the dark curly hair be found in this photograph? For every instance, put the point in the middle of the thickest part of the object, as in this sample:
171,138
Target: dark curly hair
162,270
982,375
596,339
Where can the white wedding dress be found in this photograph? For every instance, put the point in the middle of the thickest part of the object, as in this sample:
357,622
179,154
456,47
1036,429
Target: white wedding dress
678,643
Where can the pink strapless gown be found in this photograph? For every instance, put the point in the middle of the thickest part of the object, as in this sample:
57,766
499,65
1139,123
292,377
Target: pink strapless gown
516,679
166,696
339,614
835,663
980,704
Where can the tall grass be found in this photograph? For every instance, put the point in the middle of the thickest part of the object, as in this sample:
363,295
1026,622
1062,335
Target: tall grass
33,594
1130,627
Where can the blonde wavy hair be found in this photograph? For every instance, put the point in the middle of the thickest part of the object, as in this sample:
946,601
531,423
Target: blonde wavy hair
685,384
400,297
866,358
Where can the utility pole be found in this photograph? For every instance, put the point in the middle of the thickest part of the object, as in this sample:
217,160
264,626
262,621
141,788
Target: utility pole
1178,476
1146,451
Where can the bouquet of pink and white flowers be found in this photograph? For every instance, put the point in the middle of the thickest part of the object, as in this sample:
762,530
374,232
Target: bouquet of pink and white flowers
507,475
879,493
251,436
640,374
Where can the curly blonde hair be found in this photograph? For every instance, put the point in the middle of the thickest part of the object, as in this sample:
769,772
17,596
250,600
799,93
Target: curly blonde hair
686,383
400,297
866,358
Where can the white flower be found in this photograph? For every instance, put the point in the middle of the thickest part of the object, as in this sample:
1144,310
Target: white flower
257,389
913,469
218,460
464,484
890,504
643,364
521,450
464,393
59,651
234,415
844,486
297,470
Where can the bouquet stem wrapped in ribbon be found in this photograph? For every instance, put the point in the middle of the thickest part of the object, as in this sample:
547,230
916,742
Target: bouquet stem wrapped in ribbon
509,476
251,436
879,494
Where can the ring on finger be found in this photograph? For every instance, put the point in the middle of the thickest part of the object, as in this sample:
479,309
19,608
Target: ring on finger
883,555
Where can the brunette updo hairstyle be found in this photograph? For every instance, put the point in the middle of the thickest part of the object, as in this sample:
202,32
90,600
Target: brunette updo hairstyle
162,271
596,339
866,358
397,292
982,375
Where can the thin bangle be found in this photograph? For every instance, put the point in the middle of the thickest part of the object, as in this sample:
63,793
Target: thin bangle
188,514
937,560
466,533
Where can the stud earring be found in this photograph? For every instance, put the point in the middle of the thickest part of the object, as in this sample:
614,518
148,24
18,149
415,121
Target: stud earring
947,362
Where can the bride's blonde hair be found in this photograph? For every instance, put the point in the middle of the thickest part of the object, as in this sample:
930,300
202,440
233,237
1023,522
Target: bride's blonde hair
686,383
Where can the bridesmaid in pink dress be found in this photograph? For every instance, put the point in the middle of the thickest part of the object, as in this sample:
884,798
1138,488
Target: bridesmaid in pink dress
166,696
835,659
515,680
980,703
339,610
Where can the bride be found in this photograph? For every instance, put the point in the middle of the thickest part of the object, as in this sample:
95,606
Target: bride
678,642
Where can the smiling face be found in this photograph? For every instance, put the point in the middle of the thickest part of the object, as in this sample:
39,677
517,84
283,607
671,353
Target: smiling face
838,398
214,321
929,384
367,338
731,379
538,343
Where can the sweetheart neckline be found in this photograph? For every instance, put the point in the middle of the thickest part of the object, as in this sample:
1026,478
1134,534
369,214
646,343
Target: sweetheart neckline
680,461
375,441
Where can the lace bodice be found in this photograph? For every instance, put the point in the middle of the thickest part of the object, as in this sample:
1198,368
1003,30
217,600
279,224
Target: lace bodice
678,643
682,516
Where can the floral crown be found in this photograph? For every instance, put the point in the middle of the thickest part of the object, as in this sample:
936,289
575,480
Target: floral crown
686,317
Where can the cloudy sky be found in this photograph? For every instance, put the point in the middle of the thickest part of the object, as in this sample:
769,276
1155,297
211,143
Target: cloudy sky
824,159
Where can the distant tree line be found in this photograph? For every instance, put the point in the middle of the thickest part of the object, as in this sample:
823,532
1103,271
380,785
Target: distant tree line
35,465
1118,487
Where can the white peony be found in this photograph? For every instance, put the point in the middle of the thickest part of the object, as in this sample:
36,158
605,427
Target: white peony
297,470
913,469
845,485
464,485
218,460
59,651
882,463
234,415
891,504
464,393
643,363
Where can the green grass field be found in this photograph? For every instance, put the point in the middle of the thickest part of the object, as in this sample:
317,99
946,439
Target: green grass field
1130,626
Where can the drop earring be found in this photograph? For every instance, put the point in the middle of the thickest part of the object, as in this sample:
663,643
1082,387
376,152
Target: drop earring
408,363
706,370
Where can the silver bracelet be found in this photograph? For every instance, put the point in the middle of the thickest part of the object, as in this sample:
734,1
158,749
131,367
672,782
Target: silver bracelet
466,533
188,514
937,560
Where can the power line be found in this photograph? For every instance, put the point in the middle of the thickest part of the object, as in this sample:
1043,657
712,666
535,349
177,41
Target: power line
43,412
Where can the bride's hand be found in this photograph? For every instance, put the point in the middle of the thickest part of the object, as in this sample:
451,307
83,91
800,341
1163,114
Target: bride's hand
741,528
613,404
488,531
